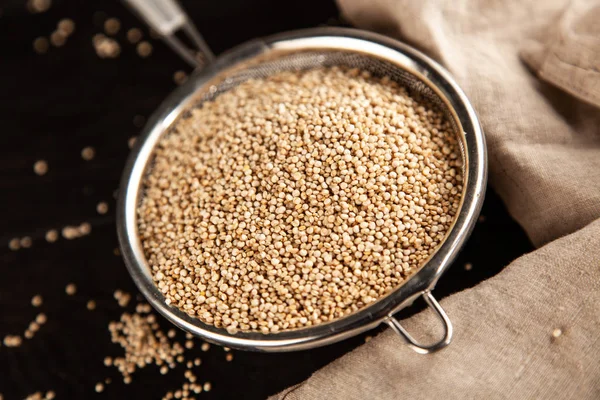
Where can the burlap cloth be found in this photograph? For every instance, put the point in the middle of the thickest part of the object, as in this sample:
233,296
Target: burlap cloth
532,70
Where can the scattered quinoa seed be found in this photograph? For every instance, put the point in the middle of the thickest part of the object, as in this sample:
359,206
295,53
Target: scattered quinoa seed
143,308
468,266
122,298
84,229
102,208
205,346
229,357
206,387
131,142
12,341
58,39
134,35
71,289
41,318
112,26
105,46
144,49
41,45
38,6
73,232
143,344
91,305
14,244
52,236
70,232
40,167
26,242
179,77
37,300
556,333
66,26
88,153
99,387
33,326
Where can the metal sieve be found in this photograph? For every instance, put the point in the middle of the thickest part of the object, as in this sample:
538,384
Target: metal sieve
303,50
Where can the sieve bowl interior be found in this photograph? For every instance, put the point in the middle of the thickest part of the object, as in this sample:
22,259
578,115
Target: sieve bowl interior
304,50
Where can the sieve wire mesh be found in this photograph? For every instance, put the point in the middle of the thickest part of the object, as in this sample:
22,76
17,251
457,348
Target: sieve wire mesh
438,92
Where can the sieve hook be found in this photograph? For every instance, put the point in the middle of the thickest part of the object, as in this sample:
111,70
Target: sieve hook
416,346
167,17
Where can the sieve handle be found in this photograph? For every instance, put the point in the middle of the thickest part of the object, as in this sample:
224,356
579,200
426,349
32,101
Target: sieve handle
166,17
412,343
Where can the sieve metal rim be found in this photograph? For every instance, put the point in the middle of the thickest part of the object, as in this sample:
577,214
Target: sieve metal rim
420,283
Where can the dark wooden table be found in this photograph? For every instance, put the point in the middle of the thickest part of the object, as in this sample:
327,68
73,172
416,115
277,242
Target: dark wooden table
55,104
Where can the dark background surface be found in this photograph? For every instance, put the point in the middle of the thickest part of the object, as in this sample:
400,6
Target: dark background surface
53,105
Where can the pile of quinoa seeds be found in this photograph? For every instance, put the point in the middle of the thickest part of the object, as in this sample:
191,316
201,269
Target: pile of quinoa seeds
298,199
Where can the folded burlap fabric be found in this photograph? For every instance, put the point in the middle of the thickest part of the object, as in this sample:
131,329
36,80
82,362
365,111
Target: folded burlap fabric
532,70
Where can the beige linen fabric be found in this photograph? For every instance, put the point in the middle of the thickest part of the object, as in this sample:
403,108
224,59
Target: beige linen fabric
566,53
543,132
